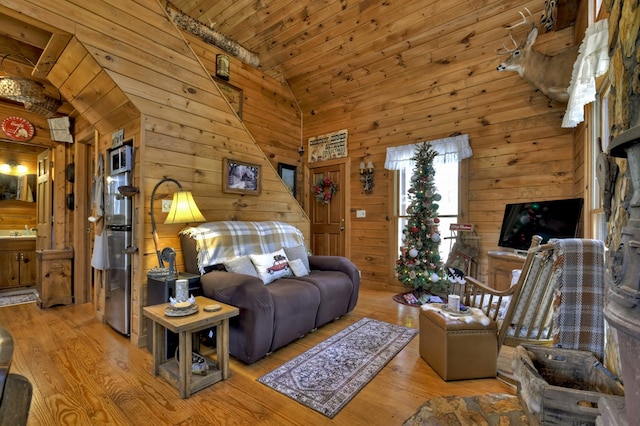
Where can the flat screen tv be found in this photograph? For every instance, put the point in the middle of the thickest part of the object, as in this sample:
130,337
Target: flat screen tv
548,219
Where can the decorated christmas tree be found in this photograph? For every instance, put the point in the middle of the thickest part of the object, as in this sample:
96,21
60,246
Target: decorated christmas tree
419,265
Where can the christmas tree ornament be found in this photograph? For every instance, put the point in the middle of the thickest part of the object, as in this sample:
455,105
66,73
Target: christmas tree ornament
413,253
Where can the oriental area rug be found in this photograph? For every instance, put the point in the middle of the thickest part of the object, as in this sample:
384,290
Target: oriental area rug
17,298
327,376
494,409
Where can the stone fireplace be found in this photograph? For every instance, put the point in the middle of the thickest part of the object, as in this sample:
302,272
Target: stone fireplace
622,309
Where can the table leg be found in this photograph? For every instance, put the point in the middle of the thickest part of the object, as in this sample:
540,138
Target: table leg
158,347
184,366
222,347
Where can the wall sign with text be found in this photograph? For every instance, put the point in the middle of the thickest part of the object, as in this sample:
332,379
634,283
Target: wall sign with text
329,146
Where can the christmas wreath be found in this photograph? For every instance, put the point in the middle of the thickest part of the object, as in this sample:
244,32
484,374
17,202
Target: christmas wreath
324,190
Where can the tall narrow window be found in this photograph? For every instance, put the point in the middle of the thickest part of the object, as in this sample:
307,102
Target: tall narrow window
446,182
599,143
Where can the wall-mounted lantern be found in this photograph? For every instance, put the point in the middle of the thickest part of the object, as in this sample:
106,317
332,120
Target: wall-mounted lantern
366,177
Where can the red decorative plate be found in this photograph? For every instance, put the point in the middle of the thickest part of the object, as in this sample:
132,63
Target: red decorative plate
17,128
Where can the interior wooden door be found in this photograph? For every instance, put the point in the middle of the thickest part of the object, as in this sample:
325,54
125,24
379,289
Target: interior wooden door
328,220
44,199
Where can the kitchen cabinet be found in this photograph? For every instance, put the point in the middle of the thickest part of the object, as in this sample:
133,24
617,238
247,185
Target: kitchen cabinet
501,265
17,262
55,276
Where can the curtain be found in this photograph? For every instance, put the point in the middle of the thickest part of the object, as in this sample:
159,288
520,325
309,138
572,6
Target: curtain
451,149
592,62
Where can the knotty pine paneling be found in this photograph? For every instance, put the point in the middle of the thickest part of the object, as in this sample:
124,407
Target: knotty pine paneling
130,61
269,110
444,83
520,150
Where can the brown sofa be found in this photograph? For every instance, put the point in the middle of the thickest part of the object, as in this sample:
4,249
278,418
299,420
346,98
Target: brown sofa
279,312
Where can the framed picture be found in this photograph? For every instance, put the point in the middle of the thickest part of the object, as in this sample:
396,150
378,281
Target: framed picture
288,174
240,177
232,93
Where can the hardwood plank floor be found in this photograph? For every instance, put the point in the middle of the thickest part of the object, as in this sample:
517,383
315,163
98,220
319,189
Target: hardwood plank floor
84,373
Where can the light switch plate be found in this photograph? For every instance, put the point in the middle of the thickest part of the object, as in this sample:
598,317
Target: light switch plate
166,206
361,213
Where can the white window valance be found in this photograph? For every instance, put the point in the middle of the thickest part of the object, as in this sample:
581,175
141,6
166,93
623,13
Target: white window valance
451,149
592,62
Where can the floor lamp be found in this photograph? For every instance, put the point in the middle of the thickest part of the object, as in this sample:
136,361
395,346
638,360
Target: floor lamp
183,210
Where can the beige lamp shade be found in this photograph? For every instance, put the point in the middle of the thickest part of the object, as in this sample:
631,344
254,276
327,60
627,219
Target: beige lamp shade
184,209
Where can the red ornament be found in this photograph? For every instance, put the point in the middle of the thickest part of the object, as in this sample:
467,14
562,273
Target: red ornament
436,220
414,229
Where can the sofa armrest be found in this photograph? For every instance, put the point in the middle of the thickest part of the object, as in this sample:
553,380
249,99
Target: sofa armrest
342,264
252,330
335,263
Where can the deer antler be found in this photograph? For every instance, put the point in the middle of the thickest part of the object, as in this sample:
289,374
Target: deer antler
513,40
524,20
506,50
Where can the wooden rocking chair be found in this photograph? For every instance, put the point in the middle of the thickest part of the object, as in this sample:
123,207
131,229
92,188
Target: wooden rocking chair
528,303
558,299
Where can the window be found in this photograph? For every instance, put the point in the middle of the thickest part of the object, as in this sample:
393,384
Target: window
446,182
599,143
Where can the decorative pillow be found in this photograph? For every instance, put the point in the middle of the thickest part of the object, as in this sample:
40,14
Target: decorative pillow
298,252
271,266
298,268
240,265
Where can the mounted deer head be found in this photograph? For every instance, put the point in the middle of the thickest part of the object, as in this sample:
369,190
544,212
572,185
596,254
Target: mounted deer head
549,74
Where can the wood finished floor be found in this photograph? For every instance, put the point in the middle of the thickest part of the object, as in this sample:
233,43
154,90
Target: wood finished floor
84,373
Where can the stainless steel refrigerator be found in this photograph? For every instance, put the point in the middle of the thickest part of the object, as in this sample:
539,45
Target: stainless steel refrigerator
118,228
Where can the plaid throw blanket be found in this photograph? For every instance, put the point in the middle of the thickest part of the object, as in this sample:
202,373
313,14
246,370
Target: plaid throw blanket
580,298
217,242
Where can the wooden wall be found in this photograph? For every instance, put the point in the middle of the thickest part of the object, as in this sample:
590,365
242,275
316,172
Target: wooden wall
520,152
269,111
126,60
128,66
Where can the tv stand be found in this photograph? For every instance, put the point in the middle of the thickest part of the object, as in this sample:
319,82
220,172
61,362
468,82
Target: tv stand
500,266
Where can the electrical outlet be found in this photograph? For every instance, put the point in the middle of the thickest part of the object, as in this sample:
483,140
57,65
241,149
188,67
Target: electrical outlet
361,213
166,206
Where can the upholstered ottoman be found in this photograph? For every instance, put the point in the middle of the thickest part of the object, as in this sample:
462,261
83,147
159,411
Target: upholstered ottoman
456,349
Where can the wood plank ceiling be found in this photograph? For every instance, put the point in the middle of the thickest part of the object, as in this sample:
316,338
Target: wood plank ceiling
328,51
340,49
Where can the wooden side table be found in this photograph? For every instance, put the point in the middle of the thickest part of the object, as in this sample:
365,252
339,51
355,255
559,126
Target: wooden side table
500,267
179,373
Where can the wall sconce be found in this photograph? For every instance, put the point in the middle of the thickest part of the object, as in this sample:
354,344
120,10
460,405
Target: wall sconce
14,168
222,67
366,177
183,210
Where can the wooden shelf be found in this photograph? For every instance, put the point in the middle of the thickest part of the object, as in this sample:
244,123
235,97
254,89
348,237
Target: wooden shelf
169,371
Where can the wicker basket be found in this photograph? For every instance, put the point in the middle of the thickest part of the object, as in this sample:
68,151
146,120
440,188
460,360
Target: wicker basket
46,108
21,89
